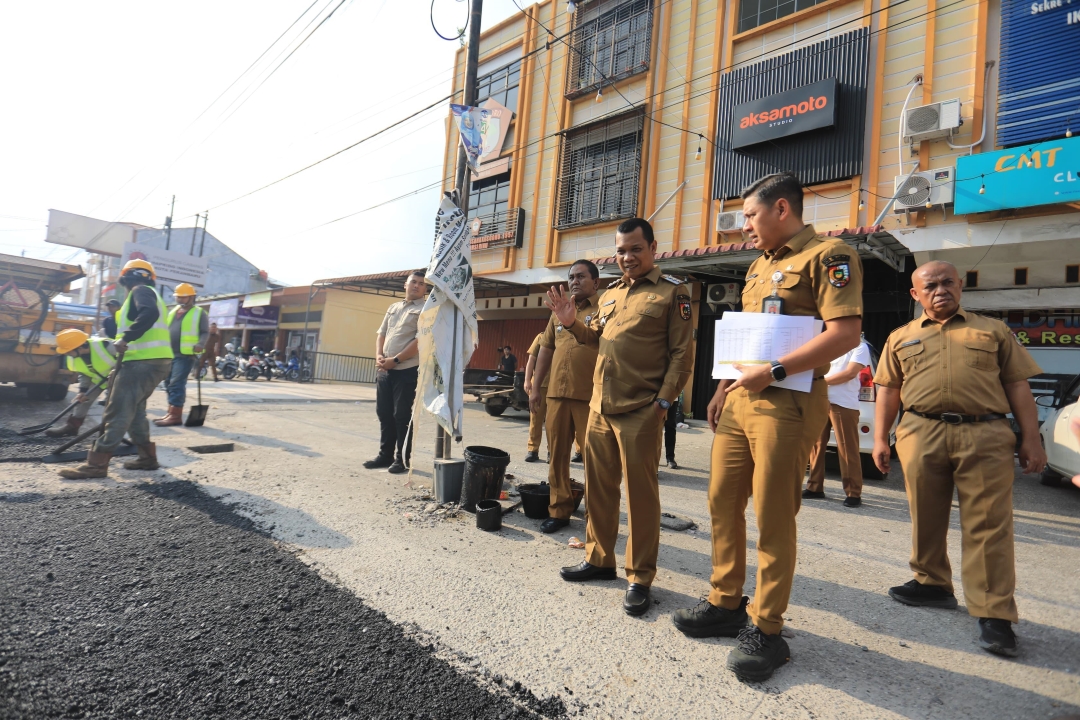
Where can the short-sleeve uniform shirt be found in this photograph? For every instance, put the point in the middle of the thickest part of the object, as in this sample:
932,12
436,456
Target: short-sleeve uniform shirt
399,329
534,350
814,275
573,362
960,365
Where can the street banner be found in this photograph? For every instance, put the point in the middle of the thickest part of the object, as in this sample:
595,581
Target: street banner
171,267
482,130
446,329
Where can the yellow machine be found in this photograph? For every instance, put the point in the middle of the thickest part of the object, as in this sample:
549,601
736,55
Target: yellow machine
28,325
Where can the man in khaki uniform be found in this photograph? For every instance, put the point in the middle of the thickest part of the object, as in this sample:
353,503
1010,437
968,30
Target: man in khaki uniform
764,433
537,416
567,396
958,374
643,330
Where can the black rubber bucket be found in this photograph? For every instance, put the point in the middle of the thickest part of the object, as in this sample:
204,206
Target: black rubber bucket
485,469
535,498
489,515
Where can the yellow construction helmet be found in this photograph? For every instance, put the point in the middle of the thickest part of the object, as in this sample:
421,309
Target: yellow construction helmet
139,267
184,290
70,339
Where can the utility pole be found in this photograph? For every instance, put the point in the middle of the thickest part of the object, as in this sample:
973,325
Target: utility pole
168,223
202,242
472,59
194,232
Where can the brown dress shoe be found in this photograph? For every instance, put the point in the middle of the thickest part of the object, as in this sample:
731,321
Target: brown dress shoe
96,466
147,459
175,417
72,428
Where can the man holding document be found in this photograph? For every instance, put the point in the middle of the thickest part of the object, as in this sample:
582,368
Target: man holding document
767,420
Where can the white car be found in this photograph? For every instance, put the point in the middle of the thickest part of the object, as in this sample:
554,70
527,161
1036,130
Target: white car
1062,446
867,403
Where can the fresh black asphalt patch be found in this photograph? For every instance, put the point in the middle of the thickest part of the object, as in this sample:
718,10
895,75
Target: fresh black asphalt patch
160,602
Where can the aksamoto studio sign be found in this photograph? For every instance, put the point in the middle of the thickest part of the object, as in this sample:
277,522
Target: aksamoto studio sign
1043,173
810,107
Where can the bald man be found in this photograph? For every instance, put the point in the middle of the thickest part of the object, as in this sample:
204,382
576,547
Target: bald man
958,374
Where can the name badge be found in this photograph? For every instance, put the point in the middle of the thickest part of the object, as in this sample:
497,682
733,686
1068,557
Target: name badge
773,305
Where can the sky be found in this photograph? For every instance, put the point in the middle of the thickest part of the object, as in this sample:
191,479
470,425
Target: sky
108,109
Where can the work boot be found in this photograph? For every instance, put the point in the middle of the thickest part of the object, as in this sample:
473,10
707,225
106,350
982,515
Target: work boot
997,636
175,417
757,655
72,428
381,461
915,593
708,620
532,456
96,466
147,459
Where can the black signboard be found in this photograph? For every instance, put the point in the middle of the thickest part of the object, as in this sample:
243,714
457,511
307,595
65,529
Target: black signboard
805,108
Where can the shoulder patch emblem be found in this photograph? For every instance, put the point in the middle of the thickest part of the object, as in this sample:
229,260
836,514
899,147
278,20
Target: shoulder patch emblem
839,274
836,260
684,308
672,280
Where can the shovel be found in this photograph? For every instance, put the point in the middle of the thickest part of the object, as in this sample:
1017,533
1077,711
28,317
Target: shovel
197,415
33,429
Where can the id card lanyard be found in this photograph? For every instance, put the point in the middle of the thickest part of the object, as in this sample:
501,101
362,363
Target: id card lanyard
774,304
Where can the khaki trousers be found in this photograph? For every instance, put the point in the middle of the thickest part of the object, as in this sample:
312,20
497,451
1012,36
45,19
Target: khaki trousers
125,411
976,458
536,425
761,446
846,424
567,421
620,446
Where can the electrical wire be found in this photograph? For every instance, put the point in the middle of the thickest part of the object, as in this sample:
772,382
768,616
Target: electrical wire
431,15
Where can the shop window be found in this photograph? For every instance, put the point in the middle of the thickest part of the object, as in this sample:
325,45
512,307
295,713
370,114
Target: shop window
1020,276
1072,273
611,40
489,199
758,12
501,86
972,280
599,171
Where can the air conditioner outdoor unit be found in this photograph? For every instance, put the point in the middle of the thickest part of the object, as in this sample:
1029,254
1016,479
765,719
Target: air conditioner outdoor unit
926,122
722,294
934,186
730,222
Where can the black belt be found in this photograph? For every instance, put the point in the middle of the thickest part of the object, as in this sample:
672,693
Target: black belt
951,418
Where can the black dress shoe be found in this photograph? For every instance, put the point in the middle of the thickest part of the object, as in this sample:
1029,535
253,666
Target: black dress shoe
637,600
672,464
397,467
813,494
585,571
708,620
853,502
576,458
552,524
996,636
532,457
915,593
379,462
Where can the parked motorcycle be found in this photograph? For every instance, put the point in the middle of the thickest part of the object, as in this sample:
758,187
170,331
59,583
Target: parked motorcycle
228,366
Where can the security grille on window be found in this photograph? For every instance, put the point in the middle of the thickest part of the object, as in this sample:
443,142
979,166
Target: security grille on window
758,12
599,171
489,198
611,41
500,85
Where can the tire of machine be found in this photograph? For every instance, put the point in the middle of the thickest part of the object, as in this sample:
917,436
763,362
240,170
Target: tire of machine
1050,478
46,391
496,409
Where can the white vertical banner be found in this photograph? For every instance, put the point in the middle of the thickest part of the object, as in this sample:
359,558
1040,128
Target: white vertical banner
446,330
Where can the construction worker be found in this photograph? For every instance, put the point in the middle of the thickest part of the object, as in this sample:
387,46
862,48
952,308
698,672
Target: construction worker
565,390
536,417
643,363
93,358
144,355
763,434
958,374
188,331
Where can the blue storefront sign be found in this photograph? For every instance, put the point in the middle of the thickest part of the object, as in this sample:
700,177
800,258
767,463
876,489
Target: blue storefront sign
1038,174
1039,86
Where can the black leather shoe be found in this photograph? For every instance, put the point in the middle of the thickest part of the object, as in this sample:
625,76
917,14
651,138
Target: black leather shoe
532,457
757,655
997,636
914,593
813,494
552,524
379,462
585,571
672,464
853,502
397,467
708,620
636,601
576,458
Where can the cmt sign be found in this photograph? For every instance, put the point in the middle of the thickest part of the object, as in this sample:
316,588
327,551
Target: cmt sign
1043,173
809,107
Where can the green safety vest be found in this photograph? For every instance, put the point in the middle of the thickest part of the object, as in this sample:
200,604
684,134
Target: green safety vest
155,343
189,328
102,361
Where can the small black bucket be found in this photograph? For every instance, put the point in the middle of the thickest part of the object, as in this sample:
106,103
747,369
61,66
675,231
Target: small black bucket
485,469
535,498
489,515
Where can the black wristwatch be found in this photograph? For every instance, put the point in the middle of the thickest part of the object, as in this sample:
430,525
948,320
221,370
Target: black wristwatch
664,404
397,360
778,371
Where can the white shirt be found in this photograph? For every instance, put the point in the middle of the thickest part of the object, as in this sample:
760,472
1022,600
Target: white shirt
846,395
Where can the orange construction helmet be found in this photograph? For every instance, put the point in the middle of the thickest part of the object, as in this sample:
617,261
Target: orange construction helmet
70,339
184,290
139,267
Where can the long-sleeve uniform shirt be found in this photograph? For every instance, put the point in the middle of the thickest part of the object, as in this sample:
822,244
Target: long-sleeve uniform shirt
573,363
644,330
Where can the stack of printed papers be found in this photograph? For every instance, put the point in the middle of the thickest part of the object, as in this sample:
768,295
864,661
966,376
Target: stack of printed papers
760,338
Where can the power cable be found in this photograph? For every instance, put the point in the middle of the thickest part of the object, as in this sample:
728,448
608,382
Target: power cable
431,15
